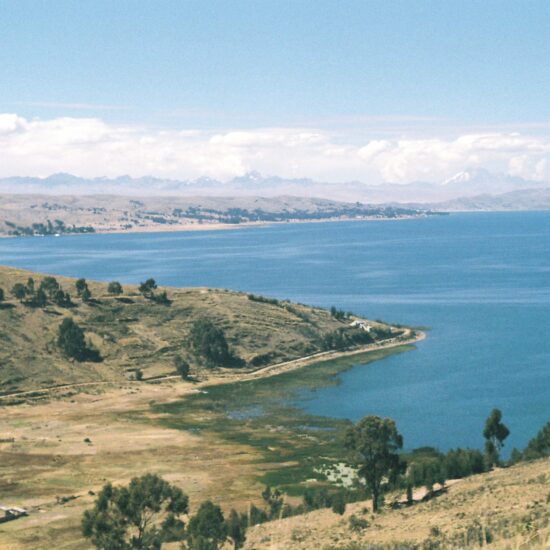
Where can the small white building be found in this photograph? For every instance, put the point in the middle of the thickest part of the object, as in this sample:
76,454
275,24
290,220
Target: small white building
361,324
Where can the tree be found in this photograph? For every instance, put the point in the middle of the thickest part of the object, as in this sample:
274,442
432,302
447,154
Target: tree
207,529
50,286
39,299
182,367
210,343
80,286
539,446
236,528
115,288
71,340
86,295
19,291
374,443
338,504
30,286
82,290
147,287
2,297
495,432
142,516
410,498
61,298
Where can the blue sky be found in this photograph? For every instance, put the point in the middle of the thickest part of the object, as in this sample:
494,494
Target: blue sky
358,70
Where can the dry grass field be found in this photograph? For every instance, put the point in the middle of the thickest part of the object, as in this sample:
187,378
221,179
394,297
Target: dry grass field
509,507
71,446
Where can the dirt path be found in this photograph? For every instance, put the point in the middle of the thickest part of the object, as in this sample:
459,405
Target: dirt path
271,370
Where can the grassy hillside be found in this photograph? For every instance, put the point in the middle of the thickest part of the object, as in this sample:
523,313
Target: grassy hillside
20,213
132,332
508,508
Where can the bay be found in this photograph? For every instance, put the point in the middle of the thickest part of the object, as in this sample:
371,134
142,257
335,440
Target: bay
480,282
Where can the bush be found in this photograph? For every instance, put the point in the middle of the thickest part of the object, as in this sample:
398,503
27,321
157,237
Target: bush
338,504
19,291
182,367
357,524
115,288
147,287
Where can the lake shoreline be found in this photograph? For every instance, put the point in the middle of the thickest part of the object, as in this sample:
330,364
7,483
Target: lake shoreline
228,376
194,227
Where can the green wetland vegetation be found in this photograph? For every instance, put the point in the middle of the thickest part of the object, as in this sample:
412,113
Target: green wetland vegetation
260,413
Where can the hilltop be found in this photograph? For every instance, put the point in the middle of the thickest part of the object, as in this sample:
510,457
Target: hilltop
132,333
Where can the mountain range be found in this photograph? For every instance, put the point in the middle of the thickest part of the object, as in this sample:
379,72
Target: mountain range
469,189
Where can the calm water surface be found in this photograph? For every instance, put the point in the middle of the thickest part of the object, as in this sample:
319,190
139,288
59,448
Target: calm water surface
481,282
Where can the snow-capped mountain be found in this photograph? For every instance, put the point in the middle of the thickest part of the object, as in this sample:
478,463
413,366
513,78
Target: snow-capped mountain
467,183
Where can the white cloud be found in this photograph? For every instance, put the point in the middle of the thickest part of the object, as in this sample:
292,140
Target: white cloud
436,159
92,147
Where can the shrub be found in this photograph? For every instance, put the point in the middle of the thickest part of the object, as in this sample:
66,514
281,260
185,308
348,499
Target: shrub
357,524
182,367
338,504
115,288
147,287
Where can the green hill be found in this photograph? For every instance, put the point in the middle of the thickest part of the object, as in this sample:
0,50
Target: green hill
133,332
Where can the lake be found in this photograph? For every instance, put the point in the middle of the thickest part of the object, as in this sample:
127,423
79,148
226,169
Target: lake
480,282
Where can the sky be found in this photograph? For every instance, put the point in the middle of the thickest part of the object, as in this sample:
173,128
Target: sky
374,91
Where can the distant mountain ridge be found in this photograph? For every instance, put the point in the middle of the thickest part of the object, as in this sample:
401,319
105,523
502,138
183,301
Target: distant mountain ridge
463,185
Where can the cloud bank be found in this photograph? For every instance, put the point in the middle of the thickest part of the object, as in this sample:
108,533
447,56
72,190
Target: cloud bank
91,147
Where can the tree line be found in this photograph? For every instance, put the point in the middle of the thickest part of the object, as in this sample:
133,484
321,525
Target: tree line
150,512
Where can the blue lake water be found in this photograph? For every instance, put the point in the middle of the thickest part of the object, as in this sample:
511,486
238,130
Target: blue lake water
481,282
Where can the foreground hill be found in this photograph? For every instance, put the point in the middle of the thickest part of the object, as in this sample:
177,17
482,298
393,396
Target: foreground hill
507,508
135,335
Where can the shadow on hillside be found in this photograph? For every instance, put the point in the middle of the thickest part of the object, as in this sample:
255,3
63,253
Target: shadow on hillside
125,300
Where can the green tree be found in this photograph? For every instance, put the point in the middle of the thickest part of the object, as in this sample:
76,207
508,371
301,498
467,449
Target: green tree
141,516
539,446
50,286
207,528
39,299
61,298
494,432
115,288
236,529
80,286
71,340
410,498
209,342
86,294
147,287
30,286
2,296
182,367
374,443
338,504
19,291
